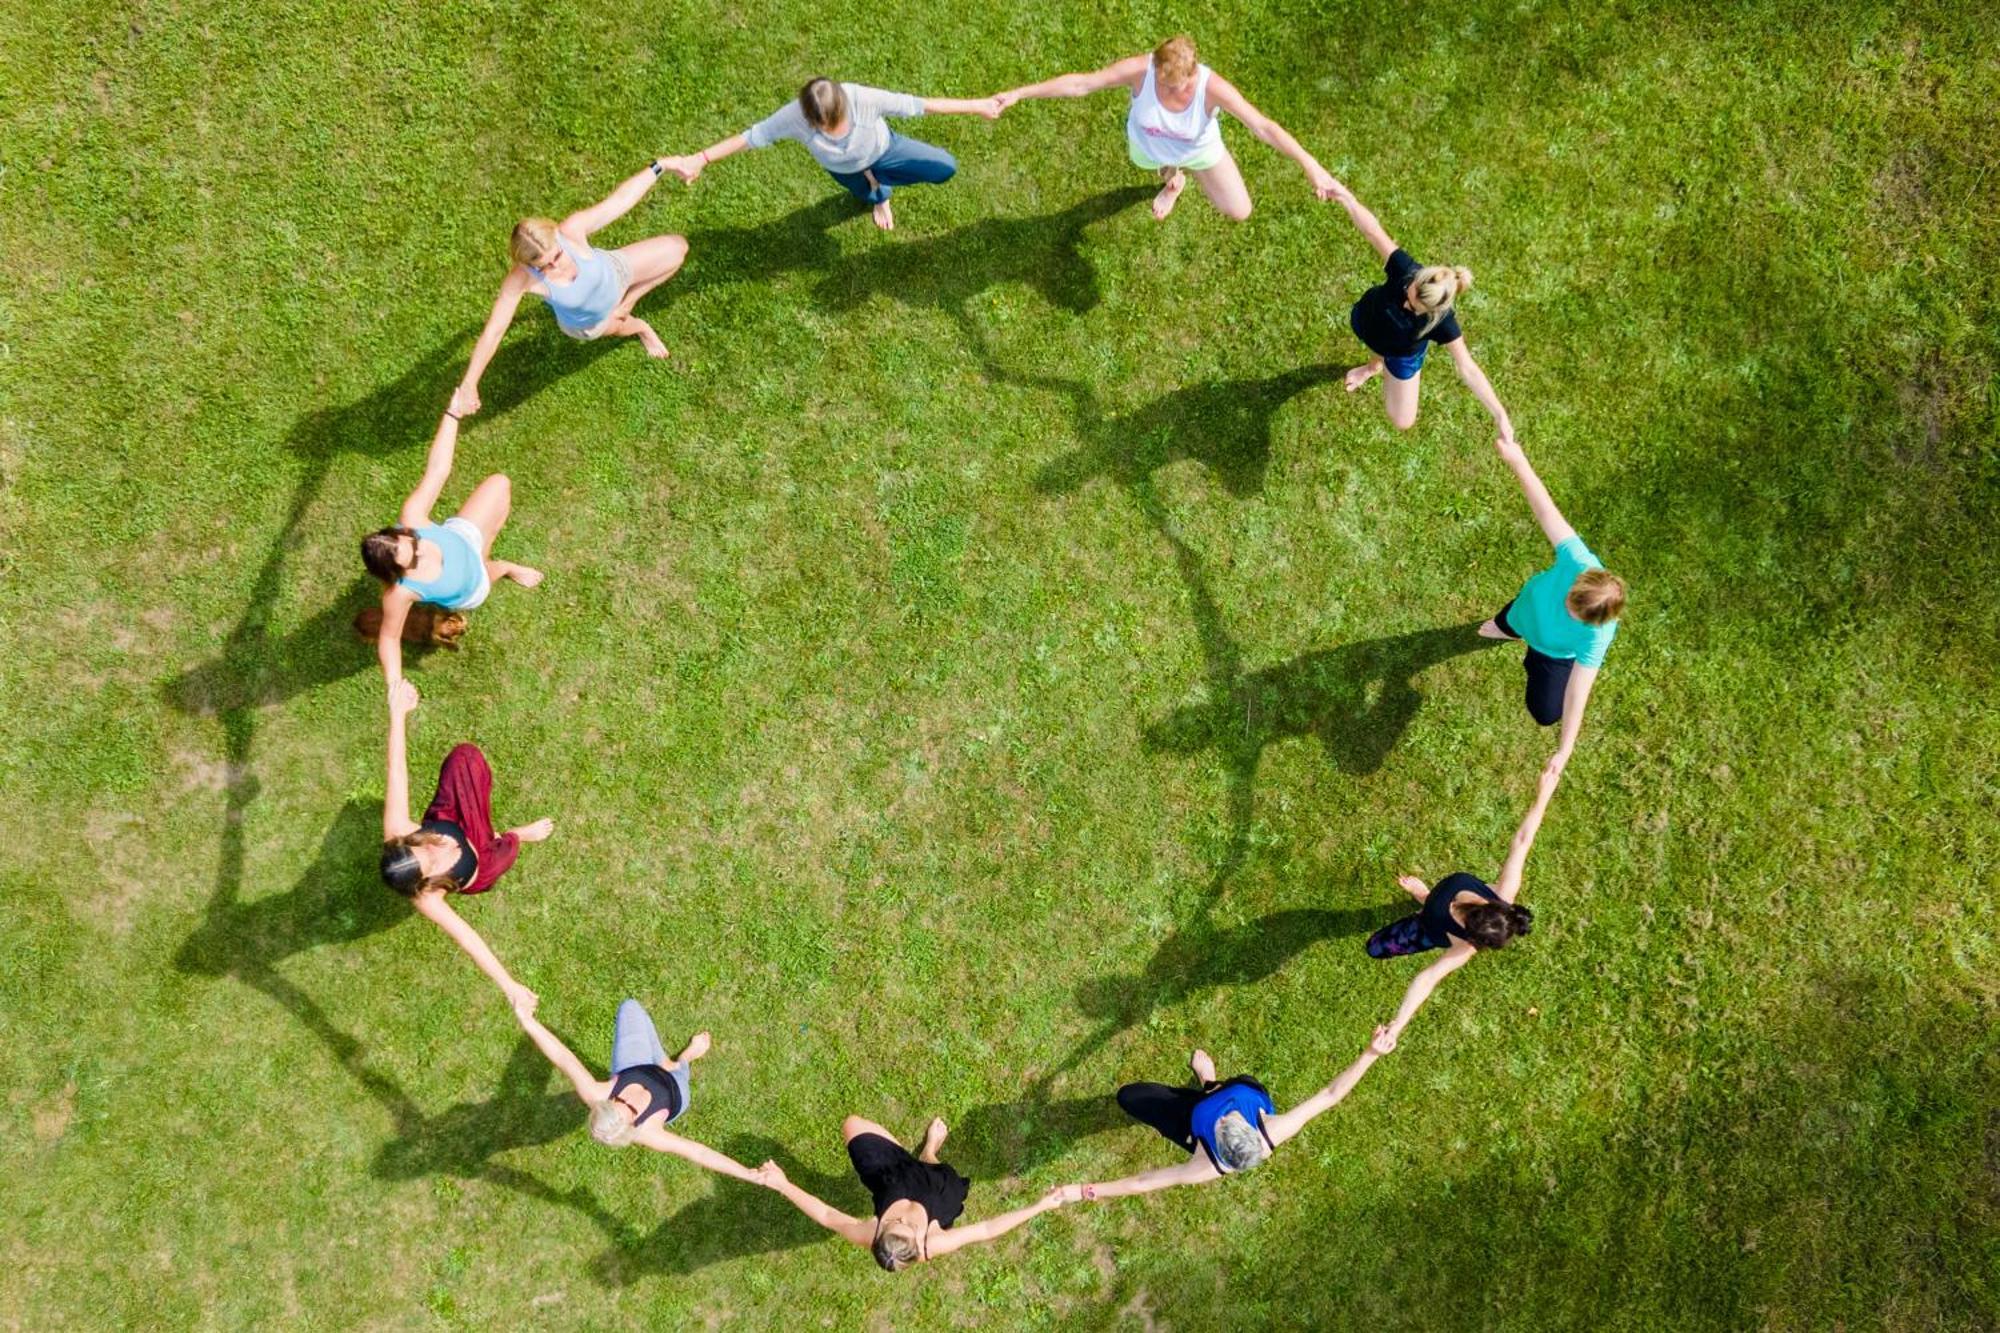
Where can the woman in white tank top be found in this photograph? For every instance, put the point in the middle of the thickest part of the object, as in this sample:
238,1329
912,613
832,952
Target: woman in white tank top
1172,127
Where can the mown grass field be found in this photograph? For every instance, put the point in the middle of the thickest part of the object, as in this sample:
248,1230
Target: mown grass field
994,658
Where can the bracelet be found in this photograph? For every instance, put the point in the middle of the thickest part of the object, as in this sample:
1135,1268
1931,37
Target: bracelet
704,157
655,165
453,415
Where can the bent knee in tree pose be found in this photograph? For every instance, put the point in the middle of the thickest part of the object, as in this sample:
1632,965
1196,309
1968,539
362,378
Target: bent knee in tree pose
1172,126
453,850
845,128
590,291
448,564
1462,915
917,1198
1399,318
1567,615
646,1091
1225,1126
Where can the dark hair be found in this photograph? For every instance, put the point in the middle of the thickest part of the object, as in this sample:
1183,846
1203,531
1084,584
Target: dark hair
401,870
823,102
1491,925
378,552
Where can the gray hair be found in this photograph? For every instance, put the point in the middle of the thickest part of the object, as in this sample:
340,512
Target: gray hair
608,1124
1239,1145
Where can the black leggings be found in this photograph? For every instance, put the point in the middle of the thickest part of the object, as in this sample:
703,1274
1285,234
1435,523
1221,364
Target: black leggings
1170,1111
1548,677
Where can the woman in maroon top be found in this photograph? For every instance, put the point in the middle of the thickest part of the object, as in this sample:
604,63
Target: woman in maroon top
454,849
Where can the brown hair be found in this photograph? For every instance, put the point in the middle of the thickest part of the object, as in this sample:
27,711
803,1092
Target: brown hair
1491,925
378,552
1438,287
531,240
401,872
898,1248
823,103
1597,597
1175,61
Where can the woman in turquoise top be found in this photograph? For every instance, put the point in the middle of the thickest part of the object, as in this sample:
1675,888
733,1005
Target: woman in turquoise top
1225,1127
448,564
1568,615
590,291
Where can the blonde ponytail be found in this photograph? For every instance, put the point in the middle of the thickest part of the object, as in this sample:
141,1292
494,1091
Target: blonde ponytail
1438,288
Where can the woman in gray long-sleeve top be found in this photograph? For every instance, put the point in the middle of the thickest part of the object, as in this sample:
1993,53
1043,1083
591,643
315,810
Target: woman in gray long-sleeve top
843,125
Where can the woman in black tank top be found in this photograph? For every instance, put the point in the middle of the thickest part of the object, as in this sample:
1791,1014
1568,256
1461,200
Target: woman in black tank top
635,1104
1462,916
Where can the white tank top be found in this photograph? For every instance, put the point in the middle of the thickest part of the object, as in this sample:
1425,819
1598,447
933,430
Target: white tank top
1172,138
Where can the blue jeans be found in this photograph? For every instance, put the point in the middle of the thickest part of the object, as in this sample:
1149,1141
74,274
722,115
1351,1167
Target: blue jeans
635,1041
907,162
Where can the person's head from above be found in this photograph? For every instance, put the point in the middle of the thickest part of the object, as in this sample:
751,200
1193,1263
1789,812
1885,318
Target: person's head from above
1434,291
1491,925
899,1235
420,862
1597,597
613,1120
534,243
1174,66
824,105
390,552
1239,1145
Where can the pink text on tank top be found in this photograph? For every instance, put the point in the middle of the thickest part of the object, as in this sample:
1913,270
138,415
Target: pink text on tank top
1188,125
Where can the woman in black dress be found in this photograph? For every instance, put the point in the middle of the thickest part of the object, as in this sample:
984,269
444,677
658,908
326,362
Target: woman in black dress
917,1198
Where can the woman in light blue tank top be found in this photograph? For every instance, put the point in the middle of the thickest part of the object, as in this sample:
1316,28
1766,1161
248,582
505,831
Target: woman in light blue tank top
1171,125
590,291
448,564
1224,1126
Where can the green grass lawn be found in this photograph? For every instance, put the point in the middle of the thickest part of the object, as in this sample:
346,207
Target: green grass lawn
993,658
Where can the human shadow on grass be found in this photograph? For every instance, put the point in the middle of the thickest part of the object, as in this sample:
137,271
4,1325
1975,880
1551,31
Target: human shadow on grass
733,1220
338,901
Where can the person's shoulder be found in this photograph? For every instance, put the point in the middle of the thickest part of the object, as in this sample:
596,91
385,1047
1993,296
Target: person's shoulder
1571,550
1401,263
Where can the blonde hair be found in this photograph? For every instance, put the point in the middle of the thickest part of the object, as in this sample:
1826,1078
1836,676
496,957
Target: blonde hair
609,1126
1597,597
532,238
1238,1144
896,1247
1438,287
1175,61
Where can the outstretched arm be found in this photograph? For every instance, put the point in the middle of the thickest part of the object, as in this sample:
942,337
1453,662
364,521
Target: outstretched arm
437,471
588,1088
1283,1126
957,1238
1195,1170
988,107
687,168
1421,987
1482,389
434,906
859,1230
1128,73
396,604
661,1140
1223,93
579,225
1364,221
1554,526
396,819
1575,695
465,399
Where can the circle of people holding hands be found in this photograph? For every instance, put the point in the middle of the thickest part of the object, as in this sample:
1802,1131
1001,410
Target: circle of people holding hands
1566,616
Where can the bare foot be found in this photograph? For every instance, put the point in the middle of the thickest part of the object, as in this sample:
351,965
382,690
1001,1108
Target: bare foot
538,831
696,1048
1169,195
885,217
1203,1067
1360,375
1411,884
1491,630
651,341
934,1138
525,575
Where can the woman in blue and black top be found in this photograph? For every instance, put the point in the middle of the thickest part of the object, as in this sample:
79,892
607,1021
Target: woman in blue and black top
448,564
1399,318
1225,1126
1461,915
